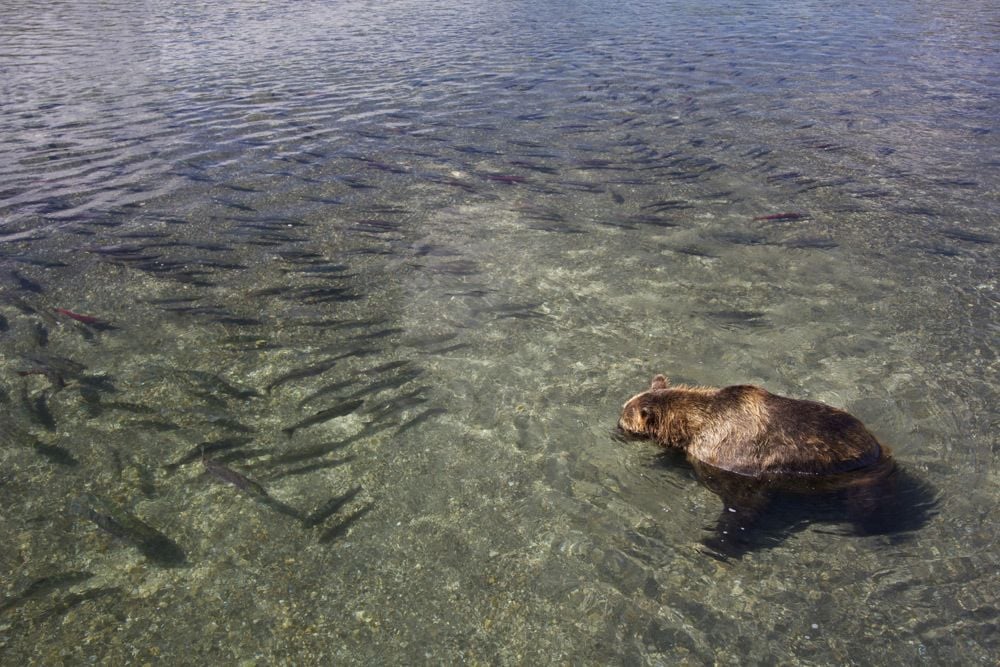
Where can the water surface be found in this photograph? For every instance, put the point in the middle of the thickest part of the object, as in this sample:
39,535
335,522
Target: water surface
396,266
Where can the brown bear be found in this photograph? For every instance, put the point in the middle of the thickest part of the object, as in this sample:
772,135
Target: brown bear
748,445
749,431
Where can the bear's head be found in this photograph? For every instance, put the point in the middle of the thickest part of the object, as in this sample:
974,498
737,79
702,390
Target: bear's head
640,414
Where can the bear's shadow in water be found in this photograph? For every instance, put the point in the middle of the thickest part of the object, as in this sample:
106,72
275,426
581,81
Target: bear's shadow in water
760,513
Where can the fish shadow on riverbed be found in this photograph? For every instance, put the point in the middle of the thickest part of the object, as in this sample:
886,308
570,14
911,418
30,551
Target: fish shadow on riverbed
760,514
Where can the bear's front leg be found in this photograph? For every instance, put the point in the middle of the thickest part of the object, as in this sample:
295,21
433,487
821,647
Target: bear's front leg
732,534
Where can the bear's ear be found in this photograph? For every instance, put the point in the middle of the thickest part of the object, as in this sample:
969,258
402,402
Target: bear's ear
659,382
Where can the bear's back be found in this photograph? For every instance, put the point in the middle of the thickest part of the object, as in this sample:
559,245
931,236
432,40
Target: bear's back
764,434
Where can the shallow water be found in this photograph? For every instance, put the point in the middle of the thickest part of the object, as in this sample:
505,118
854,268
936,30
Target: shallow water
396,266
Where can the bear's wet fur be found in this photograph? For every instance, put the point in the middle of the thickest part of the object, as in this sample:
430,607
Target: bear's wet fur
754,448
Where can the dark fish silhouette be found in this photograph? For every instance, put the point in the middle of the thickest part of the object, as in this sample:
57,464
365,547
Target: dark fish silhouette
43,586
419,419
53,376
153,544
775,217
200,450
302,373
330,507
226,474
388,383
38,408
341,528
85,319
26,283
55,454
324,416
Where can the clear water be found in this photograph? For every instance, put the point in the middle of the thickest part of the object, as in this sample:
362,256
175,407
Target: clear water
490,223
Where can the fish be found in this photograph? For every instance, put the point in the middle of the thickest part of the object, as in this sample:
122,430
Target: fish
398,403
53,376
62,365
153,544
280,507
248,342
381,166
522,315
297,256
39,334
213,383
581,186
388,383
428,341
386,367
313,467
231,424
302,373
244,454
539,213
337,386
23,306
694,251
45,585
199,450
239,188
562,228
971,237
74,599
91,401
345,525
508,308
324,416
452,182
271,291
375,226
357,184
329,508
509,179
667,205
315,450
26,283
320,269
324,448
778,217
234,204
326,390
471,293
599,165
422,417
740,238
38,408
85,319
732,319
326,294
34,261
450,348
55,454
226,474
